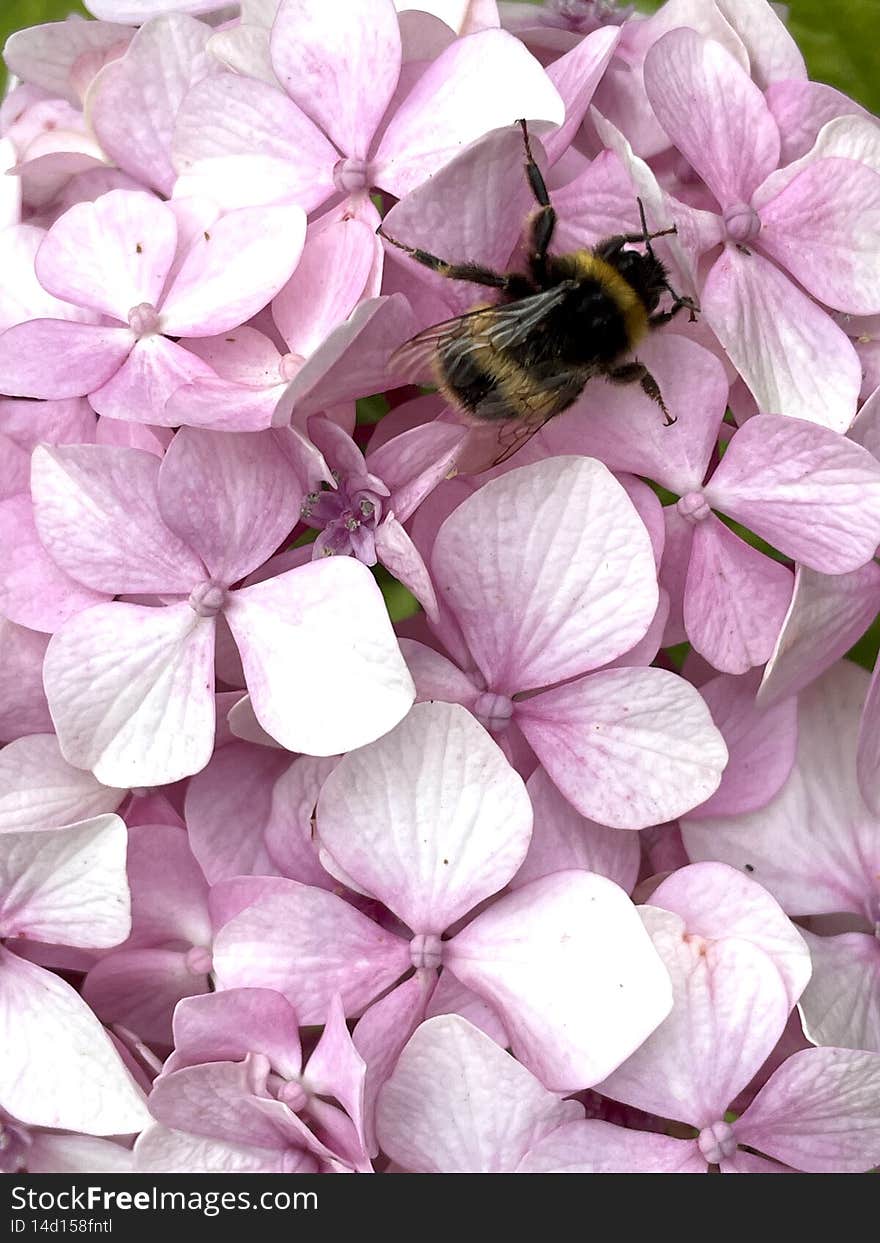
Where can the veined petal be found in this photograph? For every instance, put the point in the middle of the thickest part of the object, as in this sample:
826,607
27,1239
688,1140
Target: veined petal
431,819
323,667
449,1070
133,102
579,591
139,390
339,65
131,692
827,614
735,599
841,1004
308,944
83,1085
733,152
111,254
96,510
479,83
231,497
775,335
57,358
807,490
22,297
38,787
729,1009
524,952
627,747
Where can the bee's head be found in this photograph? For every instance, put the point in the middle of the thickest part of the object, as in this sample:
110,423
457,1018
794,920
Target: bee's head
645,273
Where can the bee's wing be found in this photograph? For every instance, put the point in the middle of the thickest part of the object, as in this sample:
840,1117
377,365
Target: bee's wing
497,328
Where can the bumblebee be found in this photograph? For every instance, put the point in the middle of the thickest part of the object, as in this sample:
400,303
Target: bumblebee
521,361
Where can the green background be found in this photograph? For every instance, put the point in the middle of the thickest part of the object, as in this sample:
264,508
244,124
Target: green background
839,39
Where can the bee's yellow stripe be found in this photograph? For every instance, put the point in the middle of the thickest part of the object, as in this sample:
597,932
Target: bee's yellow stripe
585,264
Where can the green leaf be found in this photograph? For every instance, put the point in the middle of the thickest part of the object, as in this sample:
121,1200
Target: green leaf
839,43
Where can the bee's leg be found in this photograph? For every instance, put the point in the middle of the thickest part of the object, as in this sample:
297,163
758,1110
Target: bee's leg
680,303
474,272
637,373
544,220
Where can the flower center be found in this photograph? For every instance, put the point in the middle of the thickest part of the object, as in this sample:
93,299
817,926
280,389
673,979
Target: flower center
207,599
198,960
294,1096
347,517
143,319
693,507
351,175
717,1142
742,223
493,711
426,951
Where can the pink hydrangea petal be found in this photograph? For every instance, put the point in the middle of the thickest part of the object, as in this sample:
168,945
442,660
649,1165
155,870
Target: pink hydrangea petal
576,76
289,830
219,406
227,810
28,424
226,1026
402,559
562,839
577,593
352,360
111,254
773,54
131,692
38,788
23,707
760,743
77,1154
841,1003
139,390
34,591
826,616
381,1033
773,334
522,954
431,819
96,511
133,101
730,1007
329,281
220,1100
308,944
68,885
83,1085
225,115
868,753
735,599
45,55
169,891
231,497
54,358
625,429
818,1112
415,462
831,212
340,67
161,1150
450,1069
807,490
814,846
452,997
233,270
137,11
716,901
22,296
303,661
595,1147
733,153
139,988
478,84
802,109
435,676
444,215
337,1069
627,747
